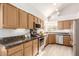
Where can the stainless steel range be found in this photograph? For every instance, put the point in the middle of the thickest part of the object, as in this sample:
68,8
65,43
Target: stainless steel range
39,37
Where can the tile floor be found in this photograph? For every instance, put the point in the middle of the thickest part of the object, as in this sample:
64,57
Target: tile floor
57,50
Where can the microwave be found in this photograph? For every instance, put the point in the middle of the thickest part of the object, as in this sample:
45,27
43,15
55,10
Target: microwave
37,26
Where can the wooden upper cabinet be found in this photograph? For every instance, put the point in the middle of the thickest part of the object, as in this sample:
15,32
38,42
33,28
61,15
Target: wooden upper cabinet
23,19
67,24
60,24
10,16
42,24
36,20
30,21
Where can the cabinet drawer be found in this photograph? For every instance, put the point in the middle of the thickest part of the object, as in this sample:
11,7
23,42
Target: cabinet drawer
19,53
14,49
35,41
27,44
67,40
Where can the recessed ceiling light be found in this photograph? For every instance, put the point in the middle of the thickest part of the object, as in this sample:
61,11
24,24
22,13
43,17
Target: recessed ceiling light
56,9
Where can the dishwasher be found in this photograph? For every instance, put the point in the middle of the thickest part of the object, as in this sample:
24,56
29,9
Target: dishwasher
59,38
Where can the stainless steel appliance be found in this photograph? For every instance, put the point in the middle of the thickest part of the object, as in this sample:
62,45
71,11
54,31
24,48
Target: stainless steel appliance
37,26
59,38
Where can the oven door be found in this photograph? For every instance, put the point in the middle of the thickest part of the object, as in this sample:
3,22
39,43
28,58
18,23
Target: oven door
41,44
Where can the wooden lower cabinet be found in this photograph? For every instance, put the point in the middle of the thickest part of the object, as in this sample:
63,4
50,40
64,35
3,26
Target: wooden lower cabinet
51,38
28,51
28,48
16,50
35,47
67,40
19,53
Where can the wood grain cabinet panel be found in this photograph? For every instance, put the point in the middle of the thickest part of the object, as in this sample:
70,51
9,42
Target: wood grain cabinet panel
19,53
35,47
52,38
60,25
28,50
42,24
36,20
23,19
14,49
67,40
67,24
27,44
10,16
30,21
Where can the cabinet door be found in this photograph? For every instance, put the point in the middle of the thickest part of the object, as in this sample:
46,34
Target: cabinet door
28,51
60,25
23,19
14,49
35,47
42,24
10,19
36,20
27,44
52,38
28,48
67,25
67,40
19,53
30,21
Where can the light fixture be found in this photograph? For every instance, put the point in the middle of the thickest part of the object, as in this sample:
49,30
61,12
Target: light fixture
56,9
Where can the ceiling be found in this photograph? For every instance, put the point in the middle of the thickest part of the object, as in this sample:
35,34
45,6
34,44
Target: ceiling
43,10
48,8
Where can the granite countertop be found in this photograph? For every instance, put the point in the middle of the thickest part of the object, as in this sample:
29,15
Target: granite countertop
9,45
